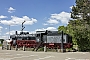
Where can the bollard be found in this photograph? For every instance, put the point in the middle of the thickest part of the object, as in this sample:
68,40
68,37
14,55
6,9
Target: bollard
23,48
62,50
45,48
10,47
2,47
58,50
7,47
16,47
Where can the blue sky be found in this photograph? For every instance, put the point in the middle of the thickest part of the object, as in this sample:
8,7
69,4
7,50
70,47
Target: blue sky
38,14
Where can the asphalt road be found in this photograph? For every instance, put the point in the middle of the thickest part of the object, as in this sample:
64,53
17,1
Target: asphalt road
29,55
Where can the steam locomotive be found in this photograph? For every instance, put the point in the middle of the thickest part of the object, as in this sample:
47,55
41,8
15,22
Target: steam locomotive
50,39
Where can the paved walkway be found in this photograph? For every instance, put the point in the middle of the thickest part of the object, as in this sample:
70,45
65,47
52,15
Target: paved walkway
29,55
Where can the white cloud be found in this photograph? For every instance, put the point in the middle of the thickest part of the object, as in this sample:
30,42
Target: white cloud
71,7
11,10
45,24
52,21
32,32
3,37
13,32
49,28
62,17
1,28
6,28
42,29
17,21
2,16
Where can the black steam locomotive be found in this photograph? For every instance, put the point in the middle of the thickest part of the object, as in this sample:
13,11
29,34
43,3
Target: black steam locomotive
50,39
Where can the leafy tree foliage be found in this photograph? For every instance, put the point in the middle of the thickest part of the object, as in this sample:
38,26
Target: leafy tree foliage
81,13
81,34
81,10
79,27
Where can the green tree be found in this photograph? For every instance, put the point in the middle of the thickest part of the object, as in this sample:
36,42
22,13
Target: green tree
63,28
80,26
81,10
80,34
1,40
68,30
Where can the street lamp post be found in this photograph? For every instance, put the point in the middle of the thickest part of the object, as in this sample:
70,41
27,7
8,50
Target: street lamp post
9,32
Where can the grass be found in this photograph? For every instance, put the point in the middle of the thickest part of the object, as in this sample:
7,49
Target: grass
0,44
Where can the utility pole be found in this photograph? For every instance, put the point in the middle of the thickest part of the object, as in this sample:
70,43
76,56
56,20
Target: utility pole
62,41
